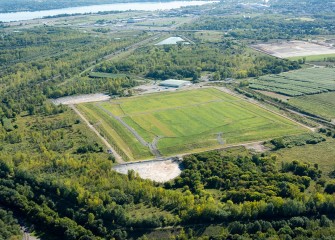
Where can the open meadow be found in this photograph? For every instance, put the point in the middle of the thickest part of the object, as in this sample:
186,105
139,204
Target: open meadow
321,154
185,121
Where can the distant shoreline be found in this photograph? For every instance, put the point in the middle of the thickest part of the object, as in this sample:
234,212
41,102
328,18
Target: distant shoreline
46,6
134,6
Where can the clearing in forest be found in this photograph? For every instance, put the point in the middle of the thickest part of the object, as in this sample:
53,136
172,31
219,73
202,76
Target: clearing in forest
165,124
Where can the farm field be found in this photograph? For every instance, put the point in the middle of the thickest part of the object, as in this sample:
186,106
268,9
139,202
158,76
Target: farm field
298,83
322,105
184,121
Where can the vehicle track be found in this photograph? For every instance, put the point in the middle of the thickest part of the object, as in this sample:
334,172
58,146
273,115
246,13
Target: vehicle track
118,158
152,146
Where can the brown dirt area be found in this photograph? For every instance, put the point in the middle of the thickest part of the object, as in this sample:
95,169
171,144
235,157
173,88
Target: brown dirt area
156,170
294,49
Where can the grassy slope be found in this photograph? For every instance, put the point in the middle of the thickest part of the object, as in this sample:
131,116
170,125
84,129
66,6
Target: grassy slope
320,104
126,144
191,120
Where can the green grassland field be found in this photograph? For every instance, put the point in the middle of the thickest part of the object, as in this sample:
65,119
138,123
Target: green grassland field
185,121
314,58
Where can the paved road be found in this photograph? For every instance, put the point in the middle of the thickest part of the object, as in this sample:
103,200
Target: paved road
118,158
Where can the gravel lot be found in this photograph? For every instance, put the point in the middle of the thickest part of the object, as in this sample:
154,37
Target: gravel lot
81,99
156,170
294,49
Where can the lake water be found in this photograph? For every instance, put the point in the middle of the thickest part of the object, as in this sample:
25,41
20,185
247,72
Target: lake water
147,6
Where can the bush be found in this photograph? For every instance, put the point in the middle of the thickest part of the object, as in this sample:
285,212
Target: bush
300,140
89,148
330,188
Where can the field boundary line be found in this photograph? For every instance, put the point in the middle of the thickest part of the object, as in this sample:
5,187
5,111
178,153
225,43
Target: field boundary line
118,158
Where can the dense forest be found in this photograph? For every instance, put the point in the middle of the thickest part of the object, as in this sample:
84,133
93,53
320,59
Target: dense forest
324,8
9,227
265,26
33,69
71,194
55,173
227,59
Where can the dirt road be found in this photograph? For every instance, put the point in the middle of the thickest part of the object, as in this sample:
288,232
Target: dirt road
118,158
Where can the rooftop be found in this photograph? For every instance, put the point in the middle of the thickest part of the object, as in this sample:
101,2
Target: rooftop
174,83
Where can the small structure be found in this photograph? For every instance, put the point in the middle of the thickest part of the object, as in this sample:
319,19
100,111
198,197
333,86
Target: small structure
135,20
173,41
173,83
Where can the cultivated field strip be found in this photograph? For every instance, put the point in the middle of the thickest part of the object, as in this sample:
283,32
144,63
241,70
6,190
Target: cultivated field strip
298,83
322,105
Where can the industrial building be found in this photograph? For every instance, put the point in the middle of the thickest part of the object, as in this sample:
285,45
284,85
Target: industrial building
173,83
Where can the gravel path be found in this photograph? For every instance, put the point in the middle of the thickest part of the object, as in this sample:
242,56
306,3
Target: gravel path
118,158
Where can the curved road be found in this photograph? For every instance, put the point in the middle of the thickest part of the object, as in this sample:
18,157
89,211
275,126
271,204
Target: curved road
152,146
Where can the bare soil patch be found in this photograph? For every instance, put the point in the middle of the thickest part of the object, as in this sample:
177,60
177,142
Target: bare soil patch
81,99
294,49
156,170
257,147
